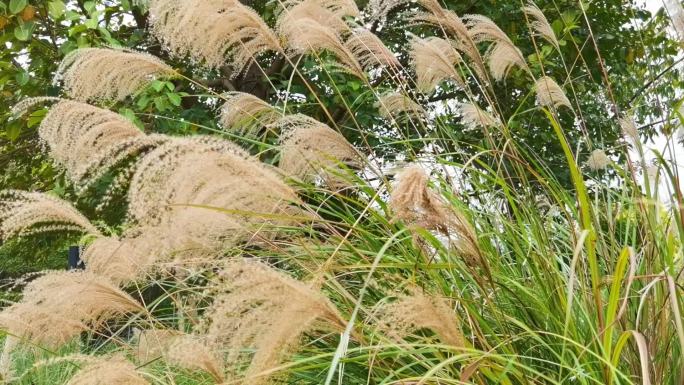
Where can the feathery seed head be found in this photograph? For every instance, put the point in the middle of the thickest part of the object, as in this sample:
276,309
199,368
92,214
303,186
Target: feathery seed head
392,104
370,51
114,371
242,316
629,129
434,60
244,114
205,191
418,310
23,213
212,32
550,94
310,148
60,305
474,117
414,203
540,25
100,74
89,141
598,160
502,55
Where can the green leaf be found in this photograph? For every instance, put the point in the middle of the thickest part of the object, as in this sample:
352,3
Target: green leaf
89,6
16,6
56,9
175,99
91,23
157,85
22,78
13,131
23,31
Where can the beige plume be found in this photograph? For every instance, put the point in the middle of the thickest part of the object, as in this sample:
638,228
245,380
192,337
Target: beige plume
112,371
598,160
392,104
89,141
311,149
474,117
339,8
629,129
370,51
212,32
502,55
550,94
243,316
194,353
24,213
191,352
419,310
455,27
540,25
434,60
60,305
244,114
309,28
208,193
414,203
100,74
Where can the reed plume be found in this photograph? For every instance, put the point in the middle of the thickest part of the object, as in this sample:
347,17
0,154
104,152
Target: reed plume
413,202
90,141
502,55
204,191
598,160
194,353
370,51
629,129
417,311
550,94
310,28
126,259
212,32
242,316
185,351
101,74
244,114
473,116
25,213
392,104
434,61
58,306
112,371
311,149
339,8
540,25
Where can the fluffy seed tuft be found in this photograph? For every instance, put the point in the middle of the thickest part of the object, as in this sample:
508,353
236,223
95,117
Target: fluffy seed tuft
550,94
24,213
242,316
102,74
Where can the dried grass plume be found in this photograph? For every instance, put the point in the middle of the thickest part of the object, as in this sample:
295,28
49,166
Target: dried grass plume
212,32
114,371
311,149
243,316
101,74
434,60
418,310
540,25
25,213
550,94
